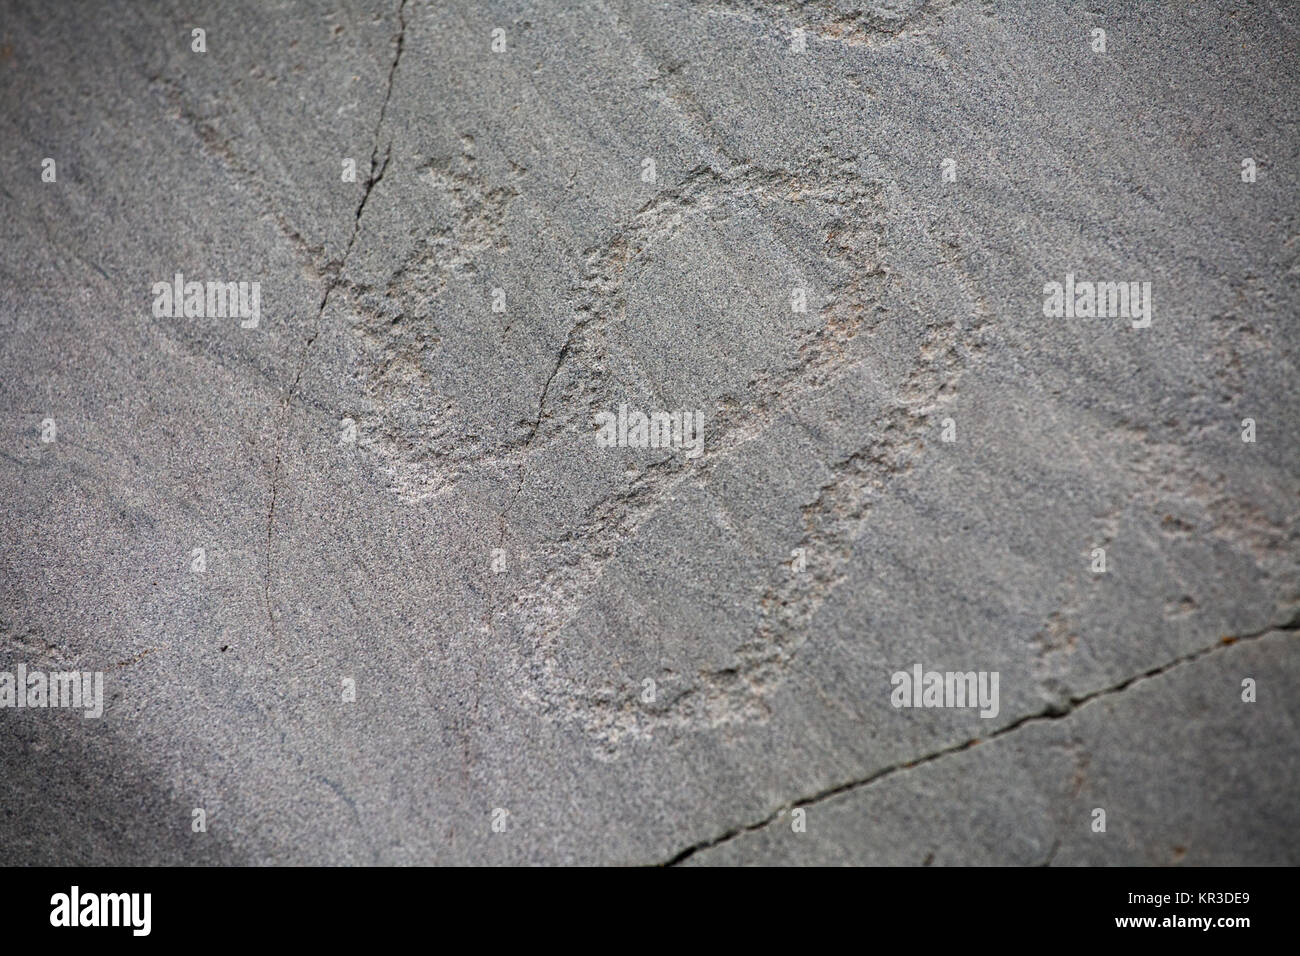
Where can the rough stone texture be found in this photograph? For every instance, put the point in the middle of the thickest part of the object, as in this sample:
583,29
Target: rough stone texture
1202,758
521,171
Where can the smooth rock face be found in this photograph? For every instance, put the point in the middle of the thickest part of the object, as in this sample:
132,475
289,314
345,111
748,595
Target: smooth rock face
367,584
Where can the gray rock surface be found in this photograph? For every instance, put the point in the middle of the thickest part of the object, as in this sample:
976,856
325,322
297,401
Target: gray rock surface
355,465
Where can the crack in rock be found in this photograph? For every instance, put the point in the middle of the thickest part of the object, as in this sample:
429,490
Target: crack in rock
333,279
1183,499
1049,714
